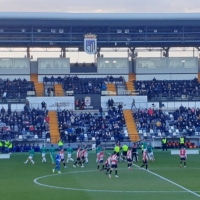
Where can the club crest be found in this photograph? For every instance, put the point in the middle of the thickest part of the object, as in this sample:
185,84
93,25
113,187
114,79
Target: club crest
90,43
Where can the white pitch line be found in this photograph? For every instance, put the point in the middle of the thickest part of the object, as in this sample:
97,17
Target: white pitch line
91,190
171,182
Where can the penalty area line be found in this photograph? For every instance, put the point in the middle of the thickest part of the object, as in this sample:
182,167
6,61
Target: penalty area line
163,178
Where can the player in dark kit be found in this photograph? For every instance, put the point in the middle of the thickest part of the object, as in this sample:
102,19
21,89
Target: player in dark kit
114,161
78,157
134,152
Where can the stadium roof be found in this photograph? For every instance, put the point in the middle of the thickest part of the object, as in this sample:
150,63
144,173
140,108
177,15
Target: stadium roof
121,30
100,16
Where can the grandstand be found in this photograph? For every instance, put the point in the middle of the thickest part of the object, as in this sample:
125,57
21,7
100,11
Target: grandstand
78,95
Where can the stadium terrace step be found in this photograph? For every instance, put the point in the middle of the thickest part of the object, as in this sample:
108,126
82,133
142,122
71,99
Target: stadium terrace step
111,88
39,87
129,84
58,90
130,123
53,125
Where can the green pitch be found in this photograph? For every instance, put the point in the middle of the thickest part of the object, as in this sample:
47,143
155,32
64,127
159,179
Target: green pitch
166,180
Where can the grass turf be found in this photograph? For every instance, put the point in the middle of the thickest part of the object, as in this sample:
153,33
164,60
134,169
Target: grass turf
16,180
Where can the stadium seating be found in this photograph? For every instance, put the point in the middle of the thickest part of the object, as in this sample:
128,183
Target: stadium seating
153,122
16,90
75,85
168,89
92,126
27,124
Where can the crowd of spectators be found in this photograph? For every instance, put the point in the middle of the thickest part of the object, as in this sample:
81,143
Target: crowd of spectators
29,123
168,88
101,126
16,89
183,121
25,147
83,85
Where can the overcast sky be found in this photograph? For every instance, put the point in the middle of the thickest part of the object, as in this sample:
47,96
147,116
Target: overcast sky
98,6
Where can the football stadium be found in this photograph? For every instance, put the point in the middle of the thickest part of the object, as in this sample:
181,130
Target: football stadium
125,126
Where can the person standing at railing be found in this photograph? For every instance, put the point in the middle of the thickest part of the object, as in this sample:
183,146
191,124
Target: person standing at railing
133,104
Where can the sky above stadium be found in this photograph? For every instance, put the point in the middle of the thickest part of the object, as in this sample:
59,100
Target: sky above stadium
101,6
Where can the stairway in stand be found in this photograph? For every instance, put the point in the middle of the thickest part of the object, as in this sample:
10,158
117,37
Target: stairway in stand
58,90
53,125
129,84
199,77
111,88
39,87
131,127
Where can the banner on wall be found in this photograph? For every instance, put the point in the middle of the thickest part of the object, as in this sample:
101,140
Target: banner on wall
87,101
126,101
52,102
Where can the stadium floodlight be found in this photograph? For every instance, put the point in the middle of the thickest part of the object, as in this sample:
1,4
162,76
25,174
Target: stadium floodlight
126,30
23,30
155,31
38,30
175,31
53,30
119,31
61,31
140,30
1,30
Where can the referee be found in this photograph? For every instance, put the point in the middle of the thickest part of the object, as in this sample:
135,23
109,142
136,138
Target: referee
124,152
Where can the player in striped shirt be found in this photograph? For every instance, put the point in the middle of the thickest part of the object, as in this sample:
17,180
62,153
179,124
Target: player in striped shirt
83,156
114,161
106,165
78,157
62,157
129,158
145,159
100,158
183,156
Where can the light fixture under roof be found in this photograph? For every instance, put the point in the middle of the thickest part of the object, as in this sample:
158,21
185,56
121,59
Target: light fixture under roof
126,30
119,31
175,31
1,30
38,30
155,31
53,30
61,30
140,30
23,30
